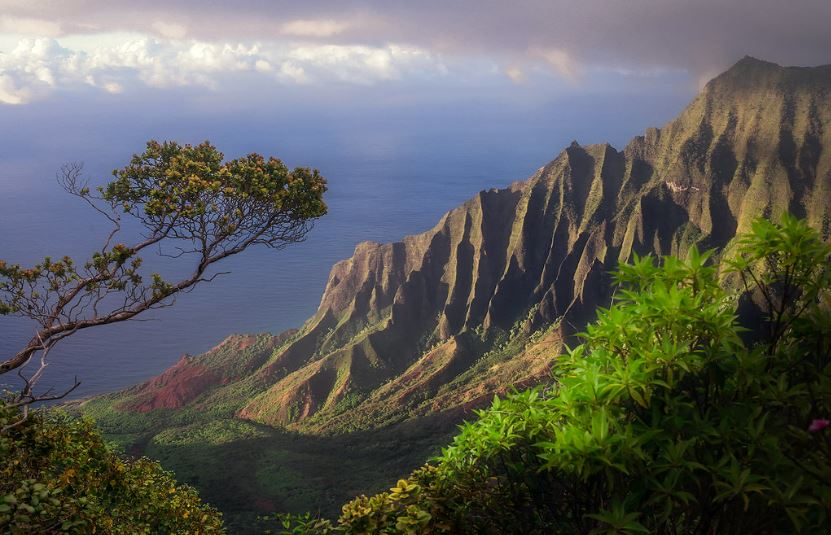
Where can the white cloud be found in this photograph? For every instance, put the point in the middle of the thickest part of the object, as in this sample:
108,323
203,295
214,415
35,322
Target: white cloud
263,66
293,72
364,64
113,87
32,69
36,67
516,74
693,35
10,93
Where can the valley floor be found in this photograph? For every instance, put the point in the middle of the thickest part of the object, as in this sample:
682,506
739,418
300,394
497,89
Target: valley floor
248,470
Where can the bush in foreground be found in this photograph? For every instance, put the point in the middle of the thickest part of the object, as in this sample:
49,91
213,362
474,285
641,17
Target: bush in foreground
671,417
57,475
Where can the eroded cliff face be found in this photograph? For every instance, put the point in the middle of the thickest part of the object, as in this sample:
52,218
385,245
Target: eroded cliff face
415,327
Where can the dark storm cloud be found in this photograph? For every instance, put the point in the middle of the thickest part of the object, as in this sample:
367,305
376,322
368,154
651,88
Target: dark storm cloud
699,35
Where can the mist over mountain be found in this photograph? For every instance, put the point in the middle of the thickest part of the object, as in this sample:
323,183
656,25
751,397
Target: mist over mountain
414,334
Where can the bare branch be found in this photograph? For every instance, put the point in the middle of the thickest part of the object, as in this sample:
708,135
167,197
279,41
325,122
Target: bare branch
25,401
70,179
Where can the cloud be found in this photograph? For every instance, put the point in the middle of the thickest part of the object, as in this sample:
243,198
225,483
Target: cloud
293,72
113,87
10,93
32,69
697,35
189,42
359,64
37,67
516,74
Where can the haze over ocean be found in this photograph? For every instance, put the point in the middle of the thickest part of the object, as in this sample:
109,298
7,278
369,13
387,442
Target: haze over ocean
393,170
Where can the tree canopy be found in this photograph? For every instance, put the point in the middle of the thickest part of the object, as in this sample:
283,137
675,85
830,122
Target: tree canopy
58,475
191,205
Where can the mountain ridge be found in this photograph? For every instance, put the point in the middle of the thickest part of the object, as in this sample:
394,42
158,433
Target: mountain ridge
435,325
549,242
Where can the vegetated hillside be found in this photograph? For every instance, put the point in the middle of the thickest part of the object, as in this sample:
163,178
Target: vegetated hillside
750,144
439,322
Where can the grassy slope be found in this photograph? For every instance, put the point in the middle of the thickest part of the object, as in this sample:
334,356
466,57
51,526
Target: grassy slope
246,468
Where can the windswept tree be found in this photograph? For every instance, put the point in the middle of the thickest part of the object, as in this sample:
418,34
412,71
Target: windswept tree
191,206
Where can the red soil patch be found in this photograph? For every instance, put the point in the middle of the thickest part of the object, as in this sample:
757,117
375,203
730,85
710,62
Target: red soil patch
174,388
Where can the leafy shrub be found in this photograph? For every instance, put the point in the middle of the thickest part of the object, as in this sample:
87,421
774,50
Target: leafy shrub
669,418
408,507
412,507
57,475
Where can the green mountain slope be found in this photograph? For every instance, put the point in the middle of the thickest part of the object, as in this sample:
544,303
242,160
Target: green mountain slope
415,334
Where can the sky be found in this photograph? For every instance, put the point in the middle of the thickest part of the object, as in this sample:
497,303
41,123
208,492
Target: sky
410,48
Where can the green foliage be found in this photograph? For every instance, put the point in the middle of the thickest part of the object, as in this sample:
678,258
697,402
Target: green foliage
300,524
406,508
213,432
171,181
189,204
178,192
665,420
57,475
410,507
785,267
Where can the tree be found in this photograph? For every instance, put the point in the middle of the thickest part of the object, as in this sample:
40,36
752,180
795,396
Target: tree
191,206
63,477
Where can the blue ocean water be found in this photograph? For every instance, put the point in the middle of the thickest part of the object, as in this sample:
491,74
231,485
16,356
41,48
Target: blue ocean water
392,171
